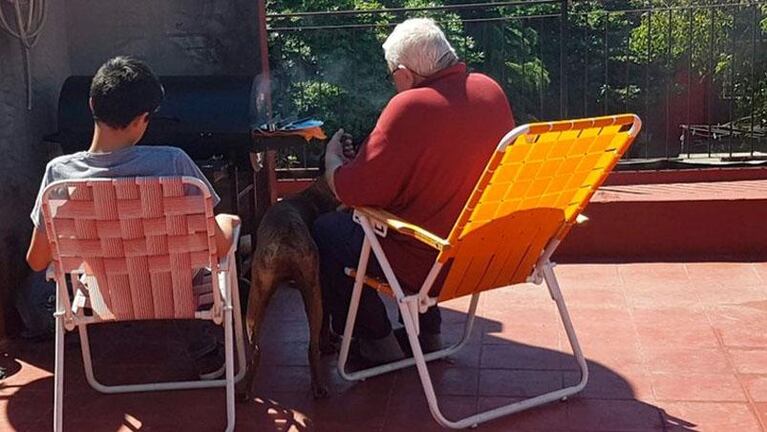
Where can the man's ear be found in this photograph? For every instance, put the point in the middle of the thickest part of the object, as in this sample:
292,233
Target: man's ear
90,103
404,79
413,78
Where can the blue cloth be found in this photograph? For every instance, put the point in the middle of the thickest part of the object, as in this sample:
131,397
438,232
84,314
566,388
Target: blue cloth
36,302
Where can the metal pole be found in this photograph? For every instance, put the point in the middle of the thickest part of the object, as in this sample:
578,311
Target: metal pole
754,29
540,71
669,78
606,49
270,160
647,79
563,30
710,79
586,57
733,64
401,10
263,37
690,35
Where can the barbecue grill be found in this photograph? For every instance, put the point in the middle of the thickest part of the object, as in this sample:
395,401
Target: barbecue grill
209,117
204,115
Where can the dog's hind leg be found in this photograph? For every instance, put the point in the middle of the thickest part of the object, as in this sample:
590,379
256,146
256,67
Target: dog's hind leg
261,290
312,296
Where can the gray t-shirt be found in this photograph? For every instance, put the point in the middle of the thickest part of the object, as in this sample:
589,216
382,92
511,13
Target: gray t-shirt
134,161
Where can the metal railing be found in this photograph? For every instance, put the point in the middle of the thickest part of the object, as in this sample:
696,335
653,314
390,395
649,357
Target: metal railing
695,71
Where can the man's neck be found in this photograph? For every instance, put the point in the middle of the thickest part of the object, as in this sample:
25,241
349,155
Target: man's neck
107,140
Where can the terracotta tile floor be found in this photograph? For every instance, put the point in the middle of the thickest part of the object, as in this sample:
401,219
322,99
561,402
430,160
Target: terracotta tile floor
671,347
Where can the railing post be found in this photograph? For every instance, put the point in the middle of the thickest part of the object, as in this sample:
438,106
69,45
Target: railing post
563,30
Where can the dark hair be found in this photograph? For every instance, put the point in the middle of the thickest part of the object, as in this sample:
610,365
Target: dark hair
123,89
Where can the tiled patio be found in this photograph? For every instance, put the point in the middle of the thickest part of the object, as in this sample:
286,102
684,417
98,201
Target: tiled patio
671,347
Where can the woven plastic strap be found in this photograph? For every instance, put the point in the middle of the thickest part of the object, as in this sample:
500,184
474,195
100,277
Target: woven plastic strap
530,193
139,239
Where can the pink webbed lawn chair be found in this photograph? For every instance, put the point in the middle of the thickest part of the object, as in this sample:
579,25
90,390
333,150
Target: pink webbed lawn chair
131,247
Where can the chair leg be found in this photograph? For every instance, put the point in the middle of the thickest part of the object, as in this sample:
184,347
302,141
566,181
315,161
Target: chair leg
482,417
58,376
556,295
234,309
354,303
229,355
131,388
85,348
401,364
228,382
238,329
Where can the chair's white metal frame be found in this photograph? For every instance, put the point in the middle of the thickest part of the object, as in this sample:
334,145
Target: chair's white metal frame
411,305
69,314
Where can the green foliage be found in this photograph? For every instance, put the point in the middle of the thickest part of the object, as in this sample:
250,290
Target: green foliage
338,76
693,35
715,43
619,55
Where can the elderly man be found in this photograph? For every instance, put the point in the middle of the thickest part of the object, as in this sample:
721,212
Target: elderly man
420,162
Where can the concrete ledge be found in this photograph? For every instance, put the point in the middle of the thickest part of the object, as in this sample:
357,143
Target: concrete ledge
687,175
660,220
673,222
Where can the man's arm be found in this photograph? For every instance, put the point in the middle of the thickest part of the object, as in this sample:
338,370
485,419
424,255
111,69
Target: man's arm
384,163
39,253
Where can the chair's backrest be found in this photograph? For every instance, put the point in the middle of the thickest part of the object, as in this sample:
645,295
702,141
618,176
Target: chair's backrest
140,238
537,182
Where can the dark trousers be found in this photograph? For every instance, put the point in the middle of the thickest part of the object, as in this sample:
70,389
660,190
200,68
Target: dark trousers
339,240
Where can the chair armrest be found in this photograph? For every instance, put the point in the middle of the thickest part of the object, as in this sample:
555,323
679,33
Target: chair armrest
402,227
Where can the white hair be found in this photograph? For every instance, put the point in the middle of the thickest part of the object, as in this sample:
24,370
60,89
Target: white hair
419,45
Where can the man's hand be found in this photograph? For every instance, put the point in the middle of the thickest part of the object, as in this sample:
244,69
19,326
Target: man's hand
340,145
347,143
335,155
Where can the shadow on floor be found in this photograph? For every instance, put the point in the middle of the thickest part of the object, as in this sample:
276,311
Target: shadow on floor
490,371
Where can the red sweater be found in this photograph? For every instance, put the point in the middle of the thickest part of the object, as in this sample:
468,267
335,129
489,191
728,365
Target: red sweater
423,159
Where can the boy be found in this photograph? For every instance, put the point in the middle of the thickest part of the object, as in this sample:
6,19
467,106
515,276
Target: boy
123,95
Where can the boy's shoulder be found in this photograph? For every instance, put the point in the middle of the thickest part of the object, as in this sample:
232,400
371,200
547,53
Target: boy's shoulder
164,153
163,150
135,161
158,148
66,159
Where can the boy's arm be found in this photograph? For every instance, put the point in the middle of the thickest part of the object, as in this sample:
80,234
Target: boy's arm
39,253
225,225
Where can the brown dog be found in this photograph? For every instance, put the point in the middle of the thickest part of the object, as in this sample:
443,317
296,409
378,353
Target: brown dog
285,252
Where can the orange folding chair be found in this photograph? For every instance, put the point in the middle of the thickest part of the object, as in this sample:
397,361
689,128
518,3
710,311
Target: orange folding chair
532,192
130,247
